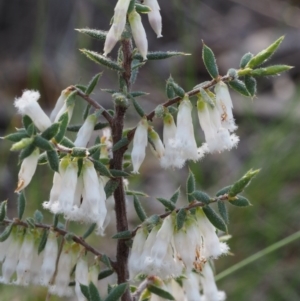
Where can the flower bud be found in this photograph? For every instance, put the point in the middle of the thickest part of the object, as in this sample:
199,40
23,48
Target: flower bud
159,149
154,16
59,104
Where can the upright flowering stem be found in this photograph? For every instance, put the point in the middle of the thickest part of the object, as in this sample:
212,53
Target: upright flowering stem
117,163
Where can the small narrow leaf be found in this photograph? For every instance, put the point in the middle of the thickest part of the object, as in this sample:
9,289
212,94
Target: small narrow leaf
105,273
50,132
5,234
16,137
92,84
245,59
67,142
42,143
167,204
160,292
207,98
180,218
134,192
118,173
123,235
178,90
79,152
27,151
26,121
63,120
53,160
94,294
169,88
240,185
122,142
102,60
31,130
271,70
240,201
110,187
223,190
21,204
239,87
55,220
160,55
201,196
85,291
89,231
38,216
138,93
139,209
80,165
116,292
101,168
223,212
3,209
250,83
142,9
94,33
137,107
30,222
214,218
175,196
190,186
86,112
210,61
106,261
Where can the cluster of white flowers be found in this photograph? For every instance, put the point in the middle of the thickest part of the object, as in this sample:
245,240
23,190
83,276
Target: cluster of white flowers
138,32
179,144
168,253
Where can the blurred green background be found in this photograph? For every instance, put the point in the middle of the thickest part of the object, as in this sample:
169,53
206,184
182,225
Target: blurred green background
39,50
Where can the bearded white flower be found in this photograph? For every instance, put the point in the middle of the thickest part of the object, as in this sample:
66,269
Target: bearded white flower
138,33
209,287
140,141
27,170
159,149
81,277
154,16
59,104
27,105
85,132
191,287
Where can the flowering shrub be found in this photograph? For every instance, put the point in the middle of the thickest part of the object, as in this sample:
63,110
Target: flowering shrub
168,255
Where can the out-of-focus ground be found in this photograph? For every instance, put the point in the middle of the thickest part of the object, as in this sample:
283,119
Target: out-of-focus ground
39,50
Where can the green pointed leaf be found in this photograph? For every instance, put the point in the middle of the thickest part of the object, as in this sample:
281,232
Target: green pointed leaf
38,216
26,121
241,184
119,173
82,88
265,54
22,144
94,294
121,143
240,201
180,218
63,120
206,98
43,158
223,212
178,90
94,33
153,220
137,193
70,101
105,273
43,143
104,161
190,186
53,160
123,235
55,220
223,190
5,234
31,130
102,60
3,210
110,91
16,137
30,222
85,291
67,142
95,151
110,187
86,112
50,132
250,83
137,107
160,55
101,168
214,218
80,165
21,204
239,87
271,70
79,152
139,209
201,196
27,151
142,9
89,231
169,88
160,292
106,261
74,127
167,204
92,84
210,61
116,292
100,126
138,93
245,59
175,196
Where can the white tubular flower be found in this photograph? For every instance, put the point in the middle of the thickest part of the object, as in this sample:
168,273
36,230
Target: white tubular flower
140,141
110,40
191,287
27,170
224,105
62,278
171,156
159,147
59,104
138,33
212,246
81,277
64,106
37,262
25,260
93,274
27,105
3,248
210,290
134,262
154,16
49,259
12,256
176,290
85,132
185,139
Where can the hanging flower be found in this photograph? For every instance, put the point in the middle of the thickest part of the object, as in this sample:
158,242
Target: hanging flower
154,16
85,132
59,104
157,148
81,277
